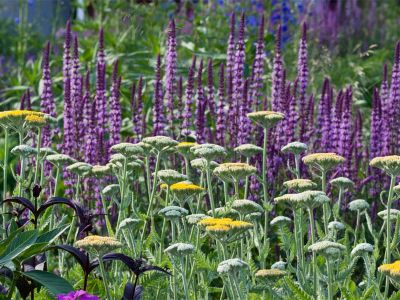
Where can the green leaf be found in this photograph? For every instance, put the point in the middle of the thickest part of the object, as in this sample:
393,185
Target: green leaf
50,236
19,244
33,250
297,291
53,283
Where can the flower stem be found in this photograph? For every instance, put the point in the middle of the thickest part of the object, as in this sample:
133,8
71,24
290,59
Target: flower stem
325,206
5,169
330,279
104,275
314,257
209,186
39,141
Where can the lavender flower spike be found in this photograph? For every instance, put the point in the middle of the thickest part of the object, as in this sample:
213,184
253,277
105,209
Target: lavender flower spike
200,107
170,72
258,68
158,109
230,55
302,76
277,74
115,108
220,126
187,112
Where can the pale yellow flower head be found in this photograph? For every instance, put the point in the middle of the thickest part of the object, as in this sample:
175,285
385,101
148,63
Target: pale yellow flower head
270,273
392,269
390,164
98,244
184,147
323,161
299,185
266,119
231,172
248,150
35,120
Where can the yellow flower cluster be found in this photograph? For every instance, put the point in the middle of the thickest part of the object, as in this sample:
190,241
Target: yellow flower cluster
19,113
390,164
392,269
35,120
270,273
299,184
17,117
223,225
323,161
185,186
98,243
266,118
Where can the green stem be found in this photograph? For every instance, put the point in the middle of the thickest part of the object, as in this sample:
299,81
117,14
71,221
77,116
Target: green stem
264,166
104,275
187,166
39,141
209,187
185,286
5,169
357,228
330,279
388,230
246,184
325,206
314,257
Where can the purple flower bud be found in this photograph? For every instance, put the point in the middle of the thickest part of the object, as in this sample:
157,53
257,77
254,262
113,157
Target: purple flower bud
230,55
170,72
258,69
158,108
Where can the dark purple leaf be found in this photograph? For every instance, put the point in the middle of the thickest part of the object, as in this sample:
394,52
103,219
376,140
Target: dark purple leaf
22,201
79,255
56,200
132,293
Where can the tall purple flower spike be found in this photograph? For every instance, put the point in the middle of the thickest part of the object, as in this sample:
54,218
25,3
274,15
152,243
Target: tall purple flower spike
170,73
395,100
76,97
221,118
87,105
244,122
238,81
230,54
277,74
292,115
134,139
302,76
180,101
100,96
187,112
158,108
375,143
336,121
386,111
258,69
47,102
344,147
200,107
115,108
138,119
91,140
210,98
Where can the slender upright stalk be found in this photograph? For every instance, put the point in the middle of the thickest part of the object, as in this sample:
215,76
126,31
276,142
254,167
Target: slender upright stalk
5,169
314,257
330,279
388,230
325,206
187,167
39,142
264,166
209,187
185,285
104,275
246,184
357,228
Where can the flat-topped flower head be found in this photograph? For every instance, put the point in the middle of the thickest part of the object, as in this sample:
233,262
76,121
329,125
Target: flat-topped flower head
244,206
294,148
358,205
270,273
127,149
118,159
323,161
224,212
201,164
392,269
173,212
160,142
184,147
98,244
240,225
389,164
394,213
266,119
396,189
80,168
193,219
130,224
35,120
111,190
231,266
208,151
299,185
60,160
326,248
336,226
179,249
214,221
289,199
100,171
362,248
342,182
281,265
218,230
146,148
24,150
184,190
280,220
44,151
16,118
134,165
253,217
248,150
170,176
312,199
231,172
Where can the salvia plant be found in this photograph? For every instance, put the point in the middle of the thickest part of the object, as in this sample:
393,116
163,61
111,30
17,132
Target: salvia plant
223,189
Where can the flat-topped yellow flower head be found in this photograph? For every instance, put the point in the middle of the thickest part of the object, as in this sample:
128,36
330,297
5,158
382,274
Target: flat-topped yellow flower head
390,164
299,185
266,118
218,229
184,190
214,221
270,273
323,161
231,172
16,118
35,120
98,244
392,269
184,147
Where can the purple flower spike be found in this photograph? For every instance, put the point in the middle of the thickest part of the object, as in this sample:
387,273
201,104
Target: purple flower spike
258,69
200,108
210,96
180,100
158,109
187,113
220,126
138,116
230,55
277,74
115,108
244,122
170,72
302,75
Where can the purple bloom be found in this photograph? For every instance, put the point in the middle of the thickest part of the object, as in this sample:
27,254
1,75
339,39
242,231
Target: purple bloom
158,108
395,100
258,68
302,76
210,96
200,108
139,116
220,123
77,295
345,142
244,122
277,74
76,97
180,100
386,111
115,108
187,113
170,72
100,96
230,55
